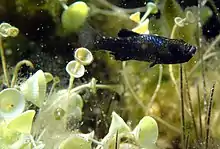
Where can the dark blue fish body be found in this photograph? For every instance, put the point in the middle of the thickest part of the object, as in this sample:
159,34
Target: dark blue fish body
142,47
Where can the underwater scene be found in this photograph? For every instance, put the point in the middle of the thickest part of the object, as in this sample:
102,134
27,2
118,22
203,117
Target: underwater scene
109,74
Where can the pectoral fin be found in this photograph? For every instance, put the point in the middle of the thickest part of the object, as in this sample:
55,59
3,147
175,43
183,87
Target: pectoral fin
126,33
152,64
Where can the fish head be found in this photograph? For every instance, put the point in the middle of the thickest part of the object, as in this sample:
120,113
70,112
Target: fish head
181,51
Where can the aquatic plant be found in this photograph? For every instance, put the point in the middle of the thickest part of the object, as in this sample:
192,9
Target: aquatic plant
20,128
74,16
37,113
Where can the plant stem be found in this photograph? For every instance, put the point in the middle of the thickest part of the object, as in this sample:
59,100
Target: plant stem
182,113
213,44
190,105
119,9
4,66
84,86
157,88
72,77
173,78
146,15
187,141
71,83
52,87
172,36
117,141
204,84
95,141
171,127
200,113
33,141
64,5
205,57
17,68
131,89
41,134
209,116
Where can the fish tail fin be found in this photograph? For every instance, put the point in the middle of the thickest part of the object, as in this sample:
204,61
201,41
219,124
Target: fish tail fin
88,37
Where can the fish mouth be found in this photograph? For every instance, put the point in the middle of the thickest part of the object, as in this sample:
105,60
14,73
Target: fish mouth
192,50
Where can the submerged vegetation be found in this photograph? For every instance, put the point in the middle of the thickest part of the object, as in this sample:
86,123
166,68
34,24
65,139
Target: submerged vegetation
57,99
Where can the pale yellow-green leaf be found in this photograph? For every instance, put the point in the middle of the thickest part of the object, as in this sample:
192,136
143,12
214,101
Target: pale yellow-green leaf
22,123
75,142
146,132
75,16
135,17
34,89
118,124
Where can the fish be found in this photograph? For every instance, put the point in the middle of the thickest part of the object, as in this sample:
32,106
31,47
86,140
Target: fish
129,45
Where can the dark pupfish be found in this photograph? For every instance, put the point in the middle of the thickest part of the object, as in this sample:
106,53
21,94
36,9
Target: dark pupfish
142,47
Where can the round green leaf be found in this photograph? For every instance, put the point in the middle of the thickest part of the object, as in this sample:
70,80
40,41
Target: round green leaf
146,132
75,101
75,142
74,16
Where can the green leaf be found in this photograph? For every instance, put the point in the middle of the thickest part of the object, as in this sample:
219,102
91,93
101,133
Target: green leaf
75,142
75,101
172,10
34,89
146,132
118,124
22,123
74,16
7,136
205,13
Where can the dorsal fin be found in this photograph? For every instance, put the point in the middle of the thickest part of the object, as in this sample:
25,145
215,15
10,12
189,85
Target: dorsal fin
126,33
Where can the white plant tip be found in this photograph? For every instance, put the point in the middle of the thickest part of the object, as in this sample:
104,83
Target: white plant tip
179,21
